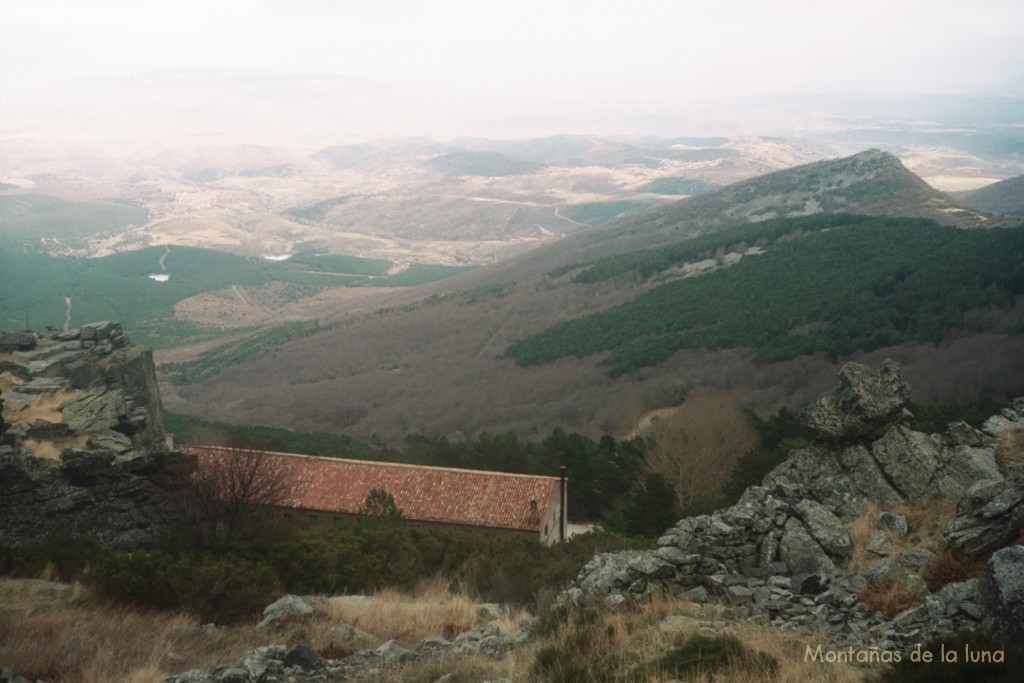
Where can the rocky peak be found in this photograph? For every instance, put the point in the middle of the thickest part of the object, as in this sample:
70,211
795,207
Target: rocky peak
82,445
864,404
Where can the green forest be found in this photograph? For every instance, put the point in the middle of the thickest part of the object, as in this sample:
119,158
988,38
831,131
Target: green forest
34,217
118,287
834,284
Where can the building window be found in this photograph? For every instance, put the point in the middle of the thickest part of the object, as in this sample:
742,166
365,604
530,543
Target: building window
545,529
338,522
314,520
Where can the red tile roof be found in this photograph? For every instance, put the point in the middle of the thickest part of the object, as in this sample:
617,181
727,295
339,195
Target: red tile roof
428,494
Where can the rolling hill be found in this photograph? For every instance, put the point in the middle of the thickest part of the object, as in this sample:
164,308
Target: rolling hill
1006,196
446,364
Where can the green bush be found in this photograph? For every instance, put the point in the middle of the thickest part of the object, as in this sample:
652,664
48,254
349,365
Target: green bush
63,559
222,589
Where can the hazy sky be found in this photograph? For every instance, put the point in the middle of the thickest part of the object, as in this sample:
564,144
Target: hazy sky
484,60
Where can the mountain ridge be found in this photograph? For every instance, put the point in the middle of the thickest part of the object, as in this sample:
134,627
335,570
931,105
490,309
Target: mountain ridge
1005,196
431,366
866,173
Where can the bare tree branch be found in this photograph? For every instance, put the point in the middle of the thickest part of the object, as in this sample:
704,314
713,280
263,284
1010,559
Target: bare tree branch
231,492
696,447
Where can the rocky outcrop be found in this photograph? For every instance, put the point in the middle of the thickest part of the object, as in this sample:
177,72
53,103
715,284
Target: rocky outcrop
989,516
92,495
86,388
22,341
82,447
1002,593
863,405
779,554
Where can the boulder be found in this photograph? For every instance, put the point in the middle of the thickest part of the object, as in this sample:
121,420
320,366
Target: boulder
964,467
909,460
23,341
92,494
987,518
1001,592
288,607
863,406
825,528
303,657
801,552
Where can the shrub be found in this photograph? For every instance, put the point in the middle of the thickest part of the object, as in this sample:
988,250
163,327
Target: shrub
889,597
581,647
947,567
60,559
222,589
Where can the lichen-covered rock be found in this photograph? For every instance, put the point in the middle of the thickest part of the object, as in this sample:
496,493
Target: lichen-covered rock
787,538
909,460
109,389
23,341
1002,593
825,528
289,607
801,552
988,517
863,406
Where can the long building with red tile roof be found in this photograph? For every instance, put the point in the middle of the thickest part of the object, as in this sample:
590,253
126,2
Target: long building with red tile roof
325,491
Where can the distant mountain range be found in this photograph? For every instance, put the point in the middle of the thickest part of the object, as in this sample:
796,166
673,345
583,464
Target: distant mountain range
851,258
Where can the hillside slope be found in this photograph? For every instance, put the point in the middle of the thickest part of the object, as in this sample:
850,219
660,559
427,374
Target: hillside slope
872,183
1006,196
437,368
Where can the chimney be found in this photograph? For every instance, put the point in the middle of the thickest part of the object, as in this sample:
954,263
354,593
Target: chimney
564,512
534,514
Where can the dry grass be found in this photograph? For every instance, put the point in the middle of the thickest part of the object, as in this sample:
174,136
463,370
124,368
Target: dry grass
926,521
1009,448
630,638
45,408
430,609
65,636
889,597
52,448
790,651
947,567
860,531
8,380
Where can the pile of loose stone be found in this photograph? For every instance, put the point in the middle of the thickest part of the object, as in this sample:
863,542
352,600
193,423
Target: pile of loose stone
777,556
301,664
